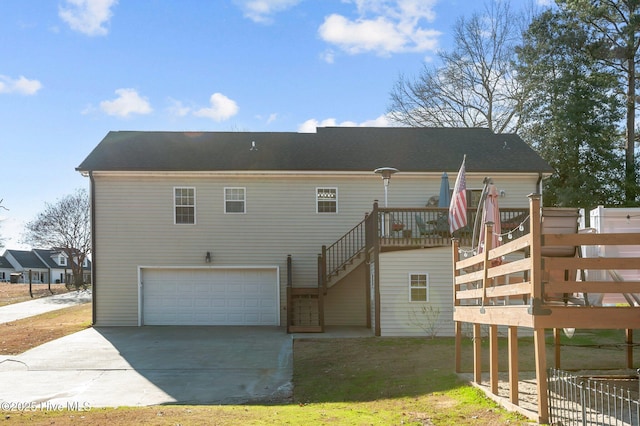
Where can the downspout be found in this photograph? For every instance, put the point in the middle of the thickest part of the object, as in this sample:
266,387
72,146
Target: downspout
93,247
539,187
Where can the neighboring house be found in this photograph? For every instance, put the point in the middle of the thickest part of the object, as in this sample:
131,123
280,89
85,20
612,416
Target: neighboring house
195,228
60,268
30,267
46,266
6,269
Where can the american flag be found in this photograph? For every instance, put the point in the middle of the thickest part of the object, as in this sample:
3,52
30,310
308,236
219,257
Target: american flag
458,206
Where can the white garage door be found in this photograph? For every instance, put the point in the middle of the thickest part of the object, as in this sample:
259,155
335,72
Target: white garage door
210,296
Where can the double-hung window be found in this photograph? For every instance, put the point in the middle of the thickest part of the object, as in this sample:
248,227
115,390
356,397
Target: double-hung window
419,287
184,202
327,200
235,200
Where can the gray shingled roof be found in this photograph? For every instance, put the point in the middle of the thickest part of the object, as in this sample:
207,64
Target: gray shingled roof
45,256
27,259
330,149
4,263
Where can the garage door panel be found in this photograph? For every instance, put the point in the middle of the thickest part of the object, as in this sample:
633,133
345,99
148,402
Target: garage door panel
210,297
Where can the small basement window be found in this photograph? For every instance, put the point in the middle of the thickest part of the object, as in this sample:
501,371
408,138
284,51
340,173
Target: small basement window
419,287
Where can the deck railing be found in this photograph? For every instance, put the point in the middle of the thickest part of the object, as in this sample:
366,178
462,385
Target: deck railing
533,282
429,226
399,228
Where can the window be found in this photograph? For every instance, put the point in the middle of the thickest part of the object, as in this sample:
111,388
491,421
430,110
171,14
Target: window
62,261
326,200
185,206
234,200
419,287
473,198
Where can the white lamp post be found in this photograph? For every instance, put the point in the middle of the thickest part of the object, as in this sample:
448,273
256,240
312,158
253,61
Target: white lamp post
385,173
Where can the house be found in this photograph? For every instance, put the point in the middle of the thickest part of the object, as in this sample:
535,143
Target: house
45,266
6,269
60,267
30,267
252,228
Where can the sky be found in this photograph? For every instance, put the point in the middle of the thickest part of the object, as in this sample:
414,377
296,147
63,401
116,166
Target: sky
73,70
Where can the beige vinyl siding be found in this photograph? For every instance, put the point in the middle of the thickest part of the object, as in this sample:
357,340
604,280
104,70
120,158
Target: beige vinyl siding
135,225
396,307
346,301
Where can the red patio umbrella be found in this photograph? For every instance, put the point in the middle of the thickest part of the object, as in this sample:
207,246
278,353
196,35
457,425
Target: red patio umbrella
490,213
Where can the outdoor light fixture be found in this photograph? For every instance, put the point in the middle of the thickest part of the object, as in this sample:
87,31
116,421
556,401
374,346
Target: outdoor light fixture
207,258
385,173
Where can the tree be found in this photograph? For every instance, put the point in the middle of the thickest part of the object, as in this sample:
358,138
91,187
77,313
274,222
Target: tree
571,112
475,86
2,207
65,225
614,27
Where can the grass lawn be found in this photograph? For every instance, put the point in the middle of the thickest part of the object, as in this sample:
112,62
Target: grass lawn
15,293
21,335
372,381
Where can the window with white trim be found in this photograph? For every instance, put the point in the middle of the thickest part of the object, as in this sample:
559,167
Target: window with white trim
419,287
184,202
235,200
62,261
326,200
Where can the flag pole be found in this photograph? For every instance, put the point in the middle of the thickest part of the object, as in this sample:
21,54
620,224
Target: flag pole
458,206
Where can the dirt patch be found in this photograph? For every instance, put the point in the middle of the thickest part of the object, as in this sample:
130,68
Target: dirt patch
16,293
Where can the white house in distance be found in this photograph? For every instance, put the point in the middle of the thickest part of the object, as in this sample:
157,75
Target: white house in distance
46,266
238,228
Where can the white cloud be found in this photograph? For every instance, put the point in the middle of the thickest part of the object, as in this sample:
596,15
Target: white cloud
310,125
272,117
177,109
20,85
383,27
222,108
262,11
87,16
128,102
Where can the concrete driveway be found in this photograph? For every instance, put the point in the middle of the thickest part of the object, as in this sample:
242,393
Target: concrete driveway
136,366
41,305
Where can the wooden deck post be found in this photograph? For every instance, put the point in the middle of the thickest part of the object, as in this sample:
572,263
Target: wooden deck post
537,301
556,348
629,341
493,358
537,292
541,375
455,255
477,353
458,325
488,242
513,365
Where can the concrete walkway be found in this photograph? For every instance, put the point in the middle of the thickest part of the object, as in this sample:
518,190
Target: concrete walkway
137,366
39,306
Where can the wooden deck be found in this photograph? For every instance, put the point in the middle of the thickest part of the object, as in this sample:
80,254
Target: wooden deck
531,282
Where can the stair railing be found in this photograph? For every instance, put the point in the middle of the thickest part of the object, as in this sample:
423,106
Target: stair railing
340,253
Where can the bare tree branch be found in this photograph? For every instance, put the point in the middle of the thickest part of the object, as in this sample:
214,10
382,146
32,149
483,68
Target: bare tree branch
475,86
65,225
